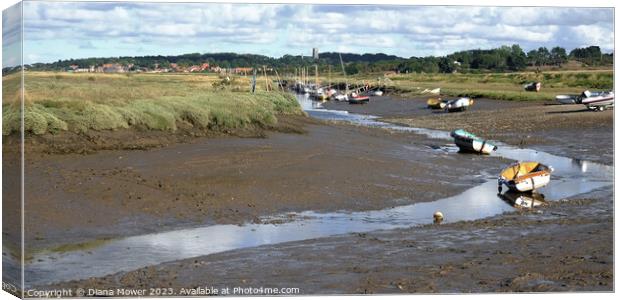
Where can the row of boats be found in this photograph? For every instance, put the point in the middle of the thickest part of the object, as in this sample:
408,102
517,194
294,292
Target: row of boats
521,178
318,93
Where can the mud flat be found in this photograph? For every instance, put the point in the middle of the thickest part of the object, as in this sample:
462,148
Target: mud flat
229,180
567,130
567,245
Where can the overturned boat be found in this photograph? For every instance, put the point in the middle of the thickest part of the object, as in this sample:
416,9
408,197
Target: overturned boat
525,176
435,103
523,200
460,104
468,142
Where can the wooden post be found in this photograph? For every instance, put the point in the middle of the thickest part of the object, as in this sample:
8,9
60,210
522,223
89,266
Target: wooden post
266,81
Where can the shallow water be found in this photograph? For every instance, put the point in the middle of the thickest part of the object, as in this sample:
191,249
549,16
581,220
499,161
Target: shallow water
571,177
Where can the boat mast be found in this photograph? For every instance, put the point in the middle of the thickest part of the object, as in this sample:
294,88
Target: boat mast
346,83
316,75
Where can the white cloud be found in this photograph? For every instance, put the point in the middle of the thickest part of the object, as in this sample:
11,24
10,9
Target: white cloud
401,30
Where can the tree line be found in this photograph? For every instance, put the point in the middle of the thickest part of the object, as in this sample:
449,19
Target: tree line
502,59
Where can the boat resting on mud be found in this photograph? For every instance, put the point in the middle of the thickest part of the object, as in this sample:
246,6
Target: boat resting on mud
460,104
597,100
525,176
358,99
592,100
435,103
468,142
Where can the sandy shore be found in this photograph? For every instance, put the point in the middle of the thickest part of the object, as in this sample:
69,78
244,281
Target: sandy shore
224,180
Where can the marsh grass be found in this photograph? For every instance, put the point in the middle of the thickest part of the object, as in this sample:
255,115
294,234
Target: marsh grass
81,102
502,86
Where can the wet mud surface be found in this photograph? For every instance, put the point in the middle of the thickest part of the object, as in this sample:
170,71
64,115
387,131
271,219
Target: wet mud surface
234,181
567,245
567,130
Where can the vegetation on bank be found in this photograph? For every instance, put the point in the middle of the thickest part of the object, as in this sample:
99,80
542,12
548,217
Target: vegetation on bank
505,58
57,102
501,86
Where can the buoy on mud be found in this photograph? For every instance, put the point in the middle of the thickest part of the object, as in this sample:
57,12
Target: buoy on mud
437,217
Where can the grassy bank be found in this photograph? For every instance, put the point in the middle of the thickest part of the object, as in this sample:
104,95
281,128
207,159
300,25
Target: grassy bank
57,102
502,86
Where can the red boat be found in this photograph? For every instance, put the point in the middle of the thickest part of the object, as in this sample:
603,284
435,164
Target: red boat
358,99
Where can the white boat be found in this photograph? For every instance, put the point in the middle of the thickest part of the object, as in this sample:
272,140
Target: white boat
460,104
597,100
340,97
567,99
525,176
468,142
375,93
533,87
592,100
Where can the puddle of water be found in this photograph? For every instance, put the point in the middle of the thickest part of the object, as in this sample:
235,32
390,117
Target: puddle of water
571,177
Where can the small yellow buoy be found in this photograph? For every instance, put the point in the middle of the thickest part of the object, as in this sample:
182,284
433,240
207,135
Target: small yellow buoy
437,217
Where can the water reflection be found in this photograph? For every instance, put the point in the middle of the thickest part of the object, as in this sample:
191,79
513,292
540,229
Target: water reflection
571,177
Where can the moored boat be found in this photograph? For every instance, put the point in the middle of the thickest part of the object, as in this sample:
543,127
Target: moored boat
468,142
567,99
460,104
597,100
525,176
355,98
435,103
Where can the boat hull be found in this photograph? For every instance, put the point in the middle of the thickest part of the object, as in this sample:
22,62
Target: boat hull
460,104
359,100
435,103
468,142
525,176
566,99
475,146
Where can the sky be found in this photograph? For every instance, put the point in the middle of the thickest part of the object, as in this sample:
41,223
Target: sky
63,30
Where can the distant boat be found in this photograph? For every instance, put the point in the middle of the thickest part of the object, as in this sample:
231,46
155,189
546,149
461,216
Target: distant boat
355,98
468,142
597,100
374,93
592,100
525,176
460,104
435,103
533,87
340,97
567,99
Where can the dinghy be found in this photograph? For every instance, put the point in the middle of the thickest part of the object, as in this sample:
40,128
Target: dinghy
358,99
469,142
567,99
435,103
374,93
525,176
460,104
532,87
